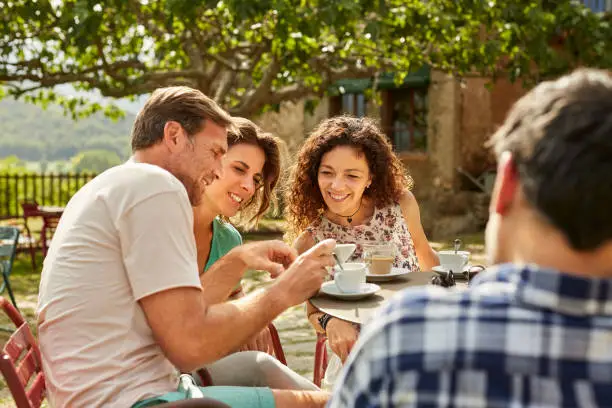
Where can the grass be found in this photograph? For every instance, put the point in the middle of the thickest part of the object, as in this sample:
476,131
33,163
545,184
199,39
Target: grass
25,287
25,283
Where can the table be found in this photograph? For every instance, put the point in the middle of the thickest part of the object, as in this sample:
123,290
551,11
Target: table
359,311
50,210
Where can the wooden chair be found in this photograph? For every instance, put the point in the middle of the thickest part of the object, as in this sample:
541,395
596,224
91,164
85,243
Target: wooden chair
320,359
30,209
21,363
205,378
11,312
48,229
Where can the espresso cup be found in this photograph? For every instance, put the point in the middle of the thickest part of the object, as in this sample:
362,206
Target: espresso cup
380,258
454,261
351,278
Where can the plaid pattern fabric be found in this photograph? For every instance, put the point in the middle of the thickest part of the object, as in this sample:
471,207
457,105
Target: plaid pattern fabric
518,337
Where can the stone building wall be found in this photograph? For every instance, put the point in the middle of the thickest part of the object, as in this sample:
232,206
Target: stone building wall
479,110
287,123
313,119
461,118
443,129
476,125
484,109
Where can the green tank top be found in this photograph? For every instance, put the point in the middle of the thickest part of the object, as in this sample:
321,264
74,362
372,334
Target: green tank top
224,238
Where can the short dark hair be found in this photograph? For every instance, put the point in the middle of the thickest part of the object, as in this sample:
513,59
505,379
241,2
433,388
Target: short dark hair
560,137
187,106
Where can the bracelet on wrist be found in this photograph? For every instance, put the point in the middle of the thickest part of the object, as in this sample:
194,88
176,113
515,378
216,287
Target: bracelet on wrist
324,320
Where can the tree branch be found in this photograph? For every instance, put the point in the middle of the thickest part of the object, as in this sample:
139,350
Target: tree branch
211,74
298,91
146,21
225,62
195,54
146,83
253,97
224,87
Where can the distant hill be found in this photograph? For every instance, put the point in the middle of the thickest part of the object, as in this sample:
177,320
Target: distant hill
32,133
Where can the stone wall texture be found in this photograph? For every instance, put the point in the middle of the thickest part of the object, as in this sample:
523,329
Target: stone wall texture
462,116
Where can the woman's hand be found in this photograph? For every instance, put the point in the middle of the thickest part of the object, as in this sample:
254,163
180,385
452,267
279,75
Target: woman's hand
342,336
261,342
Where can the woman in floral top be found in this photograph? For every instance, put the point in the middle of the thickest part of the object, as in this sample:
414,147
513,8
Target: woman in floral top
349,185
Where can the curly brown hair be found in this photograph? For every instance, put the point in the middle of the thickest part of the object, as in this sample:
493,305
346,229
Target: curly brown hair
246,132
389,178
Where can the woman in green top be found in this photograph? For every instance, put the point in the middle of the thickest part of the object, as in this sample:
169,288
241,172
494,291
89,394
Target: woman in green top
251,170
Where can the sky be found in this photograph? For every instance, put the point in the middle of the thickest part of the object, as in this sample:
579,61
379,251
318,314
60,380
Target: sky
95,96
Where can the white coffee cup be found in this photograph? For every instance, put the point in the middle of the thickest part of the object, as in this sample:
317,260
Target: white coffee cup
351,278
454,261
344,251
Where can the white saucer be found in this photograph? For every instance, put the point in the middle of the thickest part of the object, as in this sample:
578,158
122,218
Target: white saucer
367,289
394,274
441,270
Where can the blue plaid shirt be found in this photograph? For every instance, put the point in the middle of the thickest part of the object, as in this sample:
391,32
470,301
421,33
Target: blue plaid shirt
518,337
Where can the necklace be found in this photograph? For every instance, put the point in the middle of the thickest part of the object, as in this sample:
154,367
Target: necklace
349,218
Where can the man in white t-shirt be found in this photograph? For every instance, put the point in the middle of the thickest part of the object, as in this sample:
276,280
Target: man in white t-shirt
121,303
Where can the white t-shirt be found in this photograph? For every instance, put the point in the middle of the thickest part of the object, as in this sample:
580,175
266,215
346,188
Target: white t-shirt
125,235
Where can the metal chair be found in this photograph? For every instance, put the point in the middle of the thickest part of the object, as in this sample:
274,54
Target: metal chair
21,362
9,239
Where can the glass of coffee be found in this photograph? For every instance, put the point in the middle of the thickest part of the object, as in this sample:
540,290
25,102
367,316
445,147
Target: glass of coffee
379,258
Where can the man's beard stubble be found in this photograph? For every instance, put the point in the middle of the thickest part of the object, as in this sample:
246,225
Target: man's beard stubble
194,189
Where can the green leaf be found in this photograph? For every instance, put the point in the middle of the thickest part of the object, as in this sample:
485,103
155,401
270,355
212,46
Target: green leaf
129,48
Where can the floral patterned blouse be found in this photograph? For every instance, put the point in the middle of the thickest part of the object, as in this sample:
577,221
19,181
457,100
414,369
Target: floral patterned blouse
386,225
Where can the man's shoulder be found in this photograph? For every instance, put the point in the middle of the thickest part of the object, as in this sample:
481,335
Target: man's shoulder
490,294
132,174
494,285
429,325
419,303
134,182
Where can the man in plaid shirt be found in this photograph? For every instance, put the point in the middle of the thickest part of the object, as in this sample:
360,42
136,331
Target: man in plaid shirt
536,330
